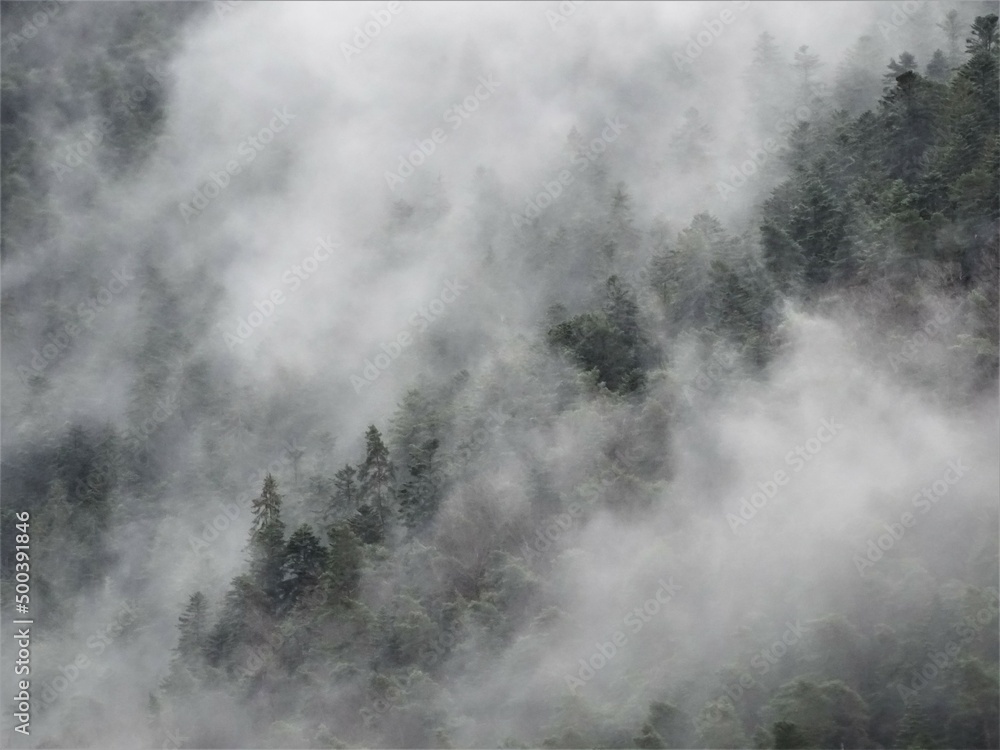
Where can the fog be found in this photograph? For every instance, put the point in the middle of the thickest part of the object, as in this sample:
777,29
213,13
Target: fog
251,307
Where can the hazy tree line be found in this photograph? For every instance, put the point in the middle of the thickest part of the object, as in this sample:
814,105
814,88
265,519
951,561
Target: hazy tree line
889,193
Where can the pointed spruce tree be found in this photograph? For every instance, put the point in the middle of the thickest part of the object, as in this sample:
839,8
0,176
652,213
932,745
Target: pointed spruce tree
267,540
305,560
376,476
187,667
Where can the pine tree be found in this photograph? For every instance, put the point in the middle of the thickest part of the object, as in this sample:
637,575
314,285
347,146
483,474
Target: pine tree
985,37
267,540
621,239
415,440
806,65
420,494
346,493
768,78
906,64
304,563
366,526
783,256
247,616
818,226
267,507
952,28
690,141
981,69
376,475
343,562
193,627
858,85
910,114
914,727
938,69
187,667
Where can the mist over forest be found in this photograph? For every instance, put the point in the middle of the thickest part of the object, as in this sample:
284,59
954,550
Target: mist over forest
500,374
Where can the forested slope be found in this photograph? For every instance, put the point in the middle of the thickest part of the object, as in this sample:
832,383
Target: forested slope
625,477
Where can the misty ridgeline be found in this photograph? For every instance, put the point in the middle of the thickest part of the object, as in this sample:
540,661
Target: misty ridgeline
511,375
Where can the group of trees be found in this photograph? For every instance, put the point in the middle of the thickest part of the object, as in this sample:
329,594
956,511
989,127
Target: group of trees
421,567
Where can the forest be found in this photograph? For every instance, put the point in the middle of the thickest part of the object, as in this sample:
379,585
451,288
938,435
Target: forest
645,398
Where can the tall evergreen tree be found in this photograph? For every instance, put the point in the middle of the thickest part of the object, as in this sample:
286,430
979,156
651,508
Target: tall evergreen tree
346,492
952,28
267,540
938,69
187,667
376,476
343,562
303,564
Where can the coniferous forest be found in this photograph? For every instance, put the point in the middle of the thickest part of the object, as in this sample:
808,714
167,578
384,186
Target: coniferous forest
500,375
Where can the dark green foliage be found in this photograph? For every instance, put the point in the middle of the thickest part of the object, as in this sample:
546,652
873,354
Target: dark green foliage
385,620
787,736
267,540
304,563
825,714
375,477
193,627
188,667
938,69
367,525
611,342
415,445
743,300
243,623
343,562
